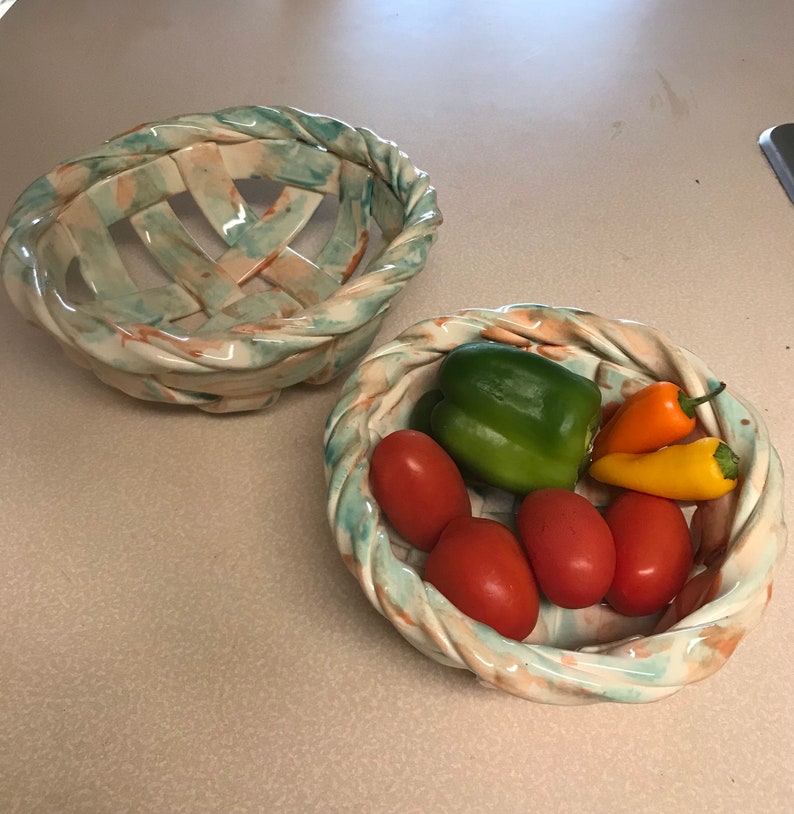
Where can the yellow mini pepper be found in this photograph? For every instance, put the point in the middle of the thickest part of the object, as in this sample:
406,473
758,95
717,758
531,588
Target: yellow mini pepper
702,470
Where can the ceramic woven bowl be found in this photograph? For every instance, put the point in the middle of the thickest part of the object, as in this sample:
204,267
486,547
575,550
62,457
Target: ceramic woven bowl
572,656
226,309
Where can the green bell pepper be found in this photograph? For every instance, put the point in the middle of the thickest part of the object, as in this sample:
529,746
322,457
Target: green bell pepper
515,419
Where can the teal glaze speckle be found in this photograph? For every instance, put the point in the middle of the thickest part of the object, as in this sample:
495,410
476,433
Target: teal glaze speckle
38,198
572,657
304,320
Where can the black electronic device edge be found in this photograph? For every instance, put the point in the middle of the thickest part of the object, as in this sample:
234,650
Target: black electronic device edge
778,145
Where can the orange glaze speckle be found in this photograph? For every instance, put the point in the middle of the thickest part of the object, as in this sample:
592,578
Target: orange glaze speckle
126,188
363,242
504,336
554,352
398,614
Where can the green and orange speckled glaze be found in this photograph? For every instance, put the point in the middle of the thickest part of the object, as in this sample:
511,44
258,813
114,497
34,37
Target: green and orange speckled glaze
307,317
573,656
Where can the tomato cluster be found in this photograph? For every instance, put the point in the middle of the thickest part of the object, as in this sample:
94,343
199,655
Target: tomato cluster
636,556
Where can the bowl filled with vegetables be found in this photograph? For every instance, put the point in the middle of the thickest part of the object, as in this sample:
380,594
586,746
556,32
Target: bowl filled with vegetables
573,508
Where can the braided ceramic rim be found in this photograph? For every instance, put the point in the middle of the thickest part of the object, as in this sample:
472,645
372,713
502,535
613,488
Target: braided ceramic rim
641,668
344,323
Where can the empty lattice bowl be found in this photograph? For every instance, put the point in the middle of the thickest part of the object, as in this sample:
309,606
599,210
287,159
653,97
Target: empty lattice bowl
572,656
165,262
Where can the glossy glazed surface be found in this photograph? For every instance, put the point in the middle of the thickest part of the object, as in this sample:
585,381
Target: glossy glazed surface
572,656
179,632
264,316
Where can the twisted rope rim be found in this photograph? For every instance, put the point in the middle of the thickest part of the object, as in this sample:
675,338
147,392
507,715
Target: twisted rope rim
687,645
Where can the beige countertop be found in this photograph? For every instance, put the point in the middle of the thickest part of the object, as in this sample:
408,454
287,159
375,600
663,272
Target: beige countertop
178,631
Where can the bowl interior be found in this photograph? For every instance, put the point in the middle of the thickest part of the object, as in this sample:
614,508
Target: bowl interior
557,627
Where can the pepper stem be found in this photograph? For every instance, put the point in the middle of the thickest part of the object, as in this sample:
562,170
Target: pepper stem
688,404
727,460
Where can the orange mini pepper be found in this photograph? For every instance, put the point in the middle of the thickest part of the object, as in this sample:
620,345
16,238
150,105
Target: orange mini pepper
658,415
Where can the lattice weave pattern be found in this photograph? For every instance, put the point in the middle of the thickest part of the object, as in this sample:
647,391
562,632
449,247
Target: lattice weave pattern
264,316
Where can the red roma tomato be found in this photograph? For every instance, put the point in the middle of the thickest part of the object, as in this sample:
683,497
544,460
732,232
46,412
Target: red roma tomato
418,486
569,546
654,552
479,566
